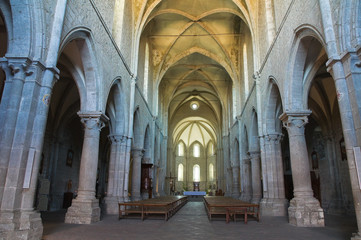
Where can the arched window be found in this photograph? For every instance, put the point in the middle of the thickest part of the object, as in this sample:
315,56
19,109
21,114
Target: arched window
146,72
180,172
245,71
180,149
211,172
196,173
196,150
210,149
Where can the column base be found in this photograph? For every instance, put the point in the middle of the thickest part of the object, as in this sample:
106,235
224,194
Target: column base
306,213
246,197
83,212
256,200
274,207
136,198
356,236
111,205
235,195
20,225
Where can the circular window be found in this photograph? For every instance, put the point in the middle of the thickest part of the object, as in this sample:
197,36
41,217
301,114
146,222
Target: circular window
194,105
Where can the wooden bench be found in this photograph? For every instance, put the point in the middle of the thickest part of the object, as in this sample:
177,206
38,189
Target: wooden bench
131,209
233,211
166,206
228,207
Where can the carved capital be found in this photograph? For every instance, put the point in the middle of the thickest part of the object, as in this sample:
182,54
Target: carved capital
254,154
93,120
273,137
116,139
138,152
296,119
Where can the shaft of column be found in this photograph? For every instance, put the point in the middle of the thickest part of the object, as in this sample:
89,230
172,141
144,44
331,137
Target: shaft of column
247,188
274,202
235,185
136,176
114,176
256,176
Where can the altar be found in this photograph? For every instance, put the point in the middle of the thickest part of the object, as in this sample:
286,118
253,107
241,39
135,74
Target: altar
194,193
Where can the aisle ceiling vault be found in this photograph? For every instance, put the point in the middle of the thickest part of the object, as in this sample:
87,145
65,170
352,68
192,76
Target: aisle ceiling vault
195,56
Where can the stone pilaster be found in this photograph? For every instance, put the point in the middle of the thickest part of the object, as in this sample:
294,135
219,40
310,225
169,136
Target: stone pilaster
304,210
85,208
136,174
256,176
116,175
274,202
236,181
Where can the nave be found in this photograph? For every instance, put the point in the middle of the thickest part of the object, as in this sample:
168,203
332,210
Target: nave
191,222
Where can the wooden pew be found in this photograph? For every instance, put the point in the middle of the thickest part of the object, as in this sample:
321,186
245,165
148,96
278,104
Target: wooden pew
166,206
230,207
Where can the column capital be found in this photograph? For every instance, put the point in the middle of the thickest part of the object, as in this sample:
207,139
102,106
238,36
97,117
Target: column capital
246,160
254,154
93,120
295,118
273,137
138,152
117,138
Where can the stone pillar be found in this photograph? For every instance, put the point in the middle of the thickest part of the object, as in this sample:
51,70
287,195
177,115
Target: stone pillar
246,194
235,182
336,68
256,176
136,174
116,174
274,202
336,203
304,210
85,208
19,151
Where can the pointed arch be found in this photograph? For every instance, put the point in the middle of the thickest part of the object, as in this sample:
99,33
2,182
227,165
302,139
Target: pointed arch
274,108
86,72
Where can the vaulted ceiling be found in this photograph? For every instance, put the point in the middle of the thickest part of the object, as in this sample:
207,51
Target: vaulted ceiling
195,56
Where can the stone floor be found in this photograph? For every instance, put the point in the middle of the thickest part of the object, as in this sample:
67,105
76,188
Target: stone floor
191,222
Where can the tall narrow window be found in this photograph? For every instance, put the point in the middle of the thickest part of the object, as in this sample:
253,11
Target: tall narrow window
210,149
180,149
196,173
196,150
211,172
245,71
180,172
146,72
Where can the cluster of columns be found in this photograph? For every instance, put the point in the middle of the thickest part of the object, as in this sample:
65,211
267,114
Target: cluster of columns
251,190
274,202
117,190
19,150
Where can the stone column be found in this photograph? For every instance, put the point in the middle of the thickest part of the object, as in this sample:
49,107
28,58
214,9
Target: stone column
246,195
304,210
136,174
116,175
85,208
256,176
235,182
274,202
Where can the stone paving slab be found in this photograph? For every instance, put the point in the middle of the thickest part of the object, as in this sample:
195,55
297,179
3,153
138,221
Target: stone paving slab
191,222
